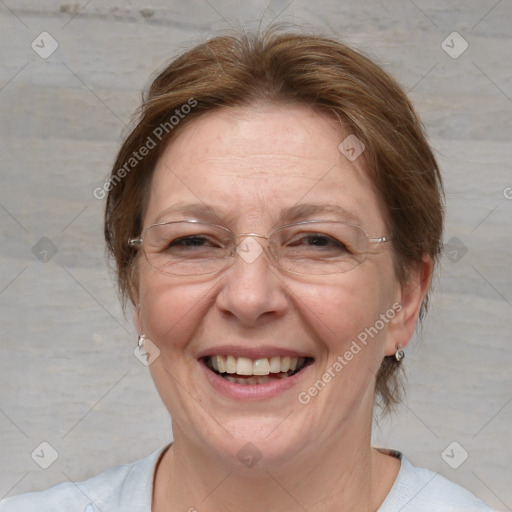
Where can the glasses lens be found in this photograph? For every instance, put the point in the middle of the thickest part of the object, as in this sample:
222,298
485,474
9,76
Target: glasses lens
319,248
192,248
187,248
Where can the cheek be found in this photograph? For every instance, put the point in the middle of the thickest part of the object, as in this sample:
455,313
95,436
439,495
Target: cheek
170,310
347,311
347,321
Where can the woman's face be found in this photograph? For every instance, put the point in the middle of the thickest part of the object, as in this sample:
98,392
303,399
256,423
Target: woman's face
249,166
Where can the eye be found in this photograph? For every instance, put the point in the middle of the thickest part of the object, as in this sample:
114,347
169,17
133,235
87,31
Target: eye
191,241
194,241
320,240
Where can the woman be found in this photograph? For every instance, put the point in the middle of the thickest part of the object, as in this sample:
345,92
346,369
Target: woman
275,218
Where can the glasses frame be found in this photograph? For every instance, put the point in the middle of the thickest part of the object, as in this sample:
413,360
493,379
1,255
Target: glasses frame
138,242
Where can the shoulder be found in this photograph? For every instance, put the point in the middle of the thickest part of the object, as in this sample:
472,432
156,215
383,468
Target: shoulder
421,490
124,488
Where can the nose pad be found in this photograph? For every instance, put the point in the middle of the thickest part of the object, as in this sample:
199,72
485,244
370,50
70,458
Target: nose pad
250,249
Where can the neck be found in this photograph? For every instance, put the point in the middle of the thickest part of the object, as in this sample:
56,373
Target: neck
343,475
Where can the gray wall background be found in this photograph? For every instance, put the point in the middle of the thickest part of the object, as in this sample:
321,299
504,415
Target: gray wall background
68,373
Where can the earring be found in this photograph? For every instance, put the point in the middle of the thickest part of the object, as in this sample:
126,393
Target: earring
399,354
141,339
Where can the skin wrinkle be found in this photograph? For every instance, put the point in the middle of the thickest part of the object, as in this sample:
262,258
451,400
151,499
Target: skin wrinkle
226,218
326,443
297,213
278,71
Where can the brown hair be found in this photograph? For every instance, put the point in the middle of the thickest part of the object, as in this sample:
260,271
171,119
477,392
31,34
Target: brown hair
287,68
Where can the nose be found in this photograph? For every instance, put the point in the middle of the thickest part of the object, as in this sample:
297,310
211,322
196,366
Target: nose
252,288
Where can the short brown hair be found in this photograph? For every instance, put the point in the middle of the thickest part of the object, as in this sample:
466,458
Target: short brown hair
288,68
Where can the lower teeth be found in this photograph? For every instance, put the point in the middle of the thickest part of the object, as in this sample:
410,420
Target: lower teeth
257,379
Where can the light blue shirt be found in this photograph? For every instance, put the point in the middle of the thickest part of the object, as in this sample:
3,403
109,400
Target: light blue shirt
129,488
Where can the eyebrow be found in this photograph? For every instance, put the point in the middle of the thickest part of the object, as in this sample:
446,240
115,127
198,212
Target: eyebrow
307,210
197,210
295,213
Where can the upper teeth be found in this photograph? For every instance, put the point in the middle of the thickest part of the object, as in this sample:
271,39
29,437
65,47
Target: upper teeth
246,366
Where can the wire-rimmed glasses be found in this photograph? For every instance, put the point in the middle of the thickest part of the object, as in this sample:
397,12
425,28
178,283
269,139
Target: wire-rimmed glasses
197,248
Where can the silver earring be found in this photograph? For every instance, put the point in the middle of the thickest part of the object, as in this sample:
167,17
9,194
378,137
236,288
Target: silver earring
142,337
399,354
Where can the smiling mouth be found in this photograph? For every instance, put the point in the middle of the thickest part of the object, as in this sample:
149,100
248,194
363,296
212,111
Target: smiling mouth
243,370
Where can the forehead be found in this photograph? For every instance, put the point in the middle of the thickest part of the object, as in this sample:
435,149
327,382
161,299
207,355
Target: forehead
256,164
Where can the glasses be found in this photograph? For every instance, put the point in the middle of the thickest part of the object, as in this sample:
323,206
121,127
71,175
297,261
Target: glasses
195,248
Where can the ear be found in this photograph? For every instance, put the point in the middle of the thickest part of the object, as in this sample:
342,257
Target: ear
409,299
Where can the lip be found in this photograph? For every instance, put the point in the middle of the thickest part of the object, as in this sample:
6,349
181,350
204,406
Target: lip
245,392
